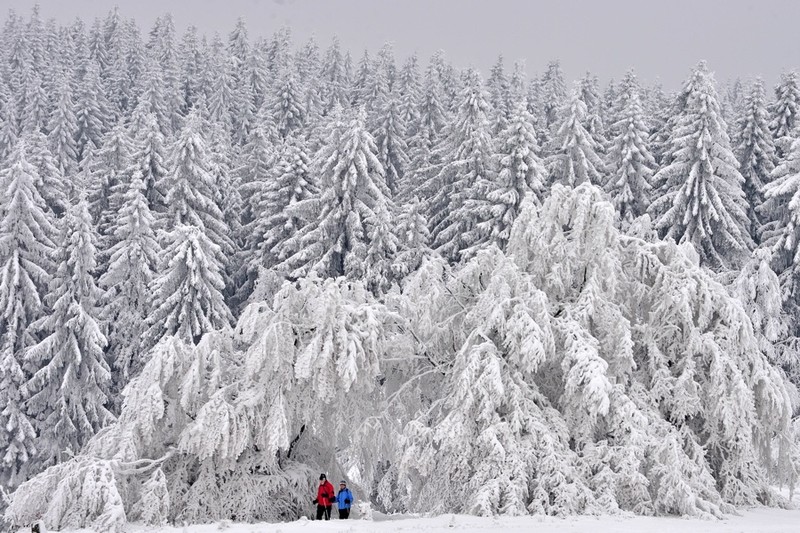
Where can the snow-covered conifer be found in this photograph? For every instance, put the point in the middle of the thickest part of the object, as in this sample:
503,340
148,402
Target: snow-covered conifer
784,112
26,250
187,299
755,153
131,266
629,159
69,393
573,152
701,199
352,194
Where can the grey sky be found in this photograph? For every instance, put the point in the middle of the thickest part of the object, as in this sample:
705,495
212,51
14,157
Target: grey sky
661,39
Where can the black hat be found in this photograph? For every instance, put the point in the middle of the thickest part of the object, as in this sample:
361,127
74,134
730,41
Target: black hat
322,476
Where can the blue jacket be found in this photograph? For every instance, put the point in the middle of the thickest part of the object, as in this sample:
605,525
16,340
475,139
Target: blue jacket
344,495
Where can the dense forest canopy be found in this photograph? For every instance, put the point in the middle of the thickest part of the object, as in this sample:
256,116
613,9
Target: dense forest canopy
229,263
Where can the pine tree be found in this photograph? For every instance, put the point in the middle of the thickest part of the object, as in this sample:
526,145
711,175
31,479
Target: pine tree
26,249
131,267
590,95
499,96
63,130
287,107
702,200
521,175
783,113
756,154
410,93
91,110
69,393
290,182
390,134
352,196
191,193
574,158
52,185
466,153
629,159
149,158
781,232
554,94
187,299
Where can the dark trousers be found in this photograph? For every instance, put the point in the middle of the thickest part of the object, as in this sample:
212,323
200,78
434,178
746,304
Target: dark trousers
323,511
344,514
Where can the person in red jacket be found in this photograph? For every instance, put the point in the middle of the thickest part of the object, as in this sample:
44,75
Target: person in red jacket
325,498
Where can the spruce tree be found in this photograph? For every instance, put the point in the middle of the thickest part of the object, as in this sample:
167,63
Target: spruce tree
467,169
353,199
63,130
389,135
756,154
187,299
631,164
26,250
783,113
701,199
69,393
573,155
520,175
191,190
553,94
286,106
131,267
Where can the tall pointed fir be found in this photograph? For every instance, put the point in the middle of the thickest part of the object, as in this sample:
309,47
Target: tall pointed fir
91,110
590,94
573,155
781,232
520,175
466,153
409,88
701,200
499,96
51,183
26,250
286,104
756,154
69,393
350,208
389,133
290,183
191,191
783,113
63,130
149,158
131,267
553,94
630,162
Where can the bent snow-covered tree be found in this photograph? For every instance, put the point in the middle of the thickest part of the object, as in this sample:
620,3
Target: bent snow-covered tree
549,391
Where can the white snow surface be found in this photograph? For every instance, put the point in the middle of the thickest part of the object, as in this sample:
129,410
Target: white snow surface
756,520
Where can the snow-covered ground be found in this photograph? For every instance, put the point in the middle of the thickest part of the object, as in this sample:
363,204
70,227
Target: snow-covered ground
757,520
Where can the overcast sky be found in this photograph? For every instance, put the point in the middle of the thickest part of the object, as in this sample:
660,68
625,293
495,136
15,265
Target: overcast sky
662,39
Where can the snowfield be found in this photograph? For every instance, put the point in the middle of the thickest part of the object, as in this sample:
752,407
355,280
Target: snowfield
756,520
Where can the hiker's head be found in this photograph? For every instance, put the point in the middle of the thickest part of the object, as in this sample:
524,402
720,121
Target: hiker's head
322,479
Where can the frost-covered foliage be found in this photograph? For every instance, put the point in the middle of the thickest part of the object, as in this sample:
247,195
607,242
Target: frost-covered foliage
228,263
701,200
756,155
69,393
632,164
574,155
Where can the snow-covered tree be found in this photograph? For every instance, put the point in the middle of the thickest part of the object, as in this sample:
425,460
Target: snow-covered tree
390,135
131,267
573,152
467,171
755,153
630,161
63,130
187,296
701,199
287,107
784,112
353,197
69,392
26,250
553,94
520,175
190,190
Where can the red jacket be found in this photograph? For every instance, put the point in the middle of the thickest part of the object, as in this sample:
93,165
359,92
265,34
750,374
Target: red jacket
325,494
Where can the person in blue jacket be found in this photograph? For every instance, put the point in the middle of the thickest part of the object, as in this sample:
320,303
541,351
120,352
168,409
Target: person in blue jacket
344,499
